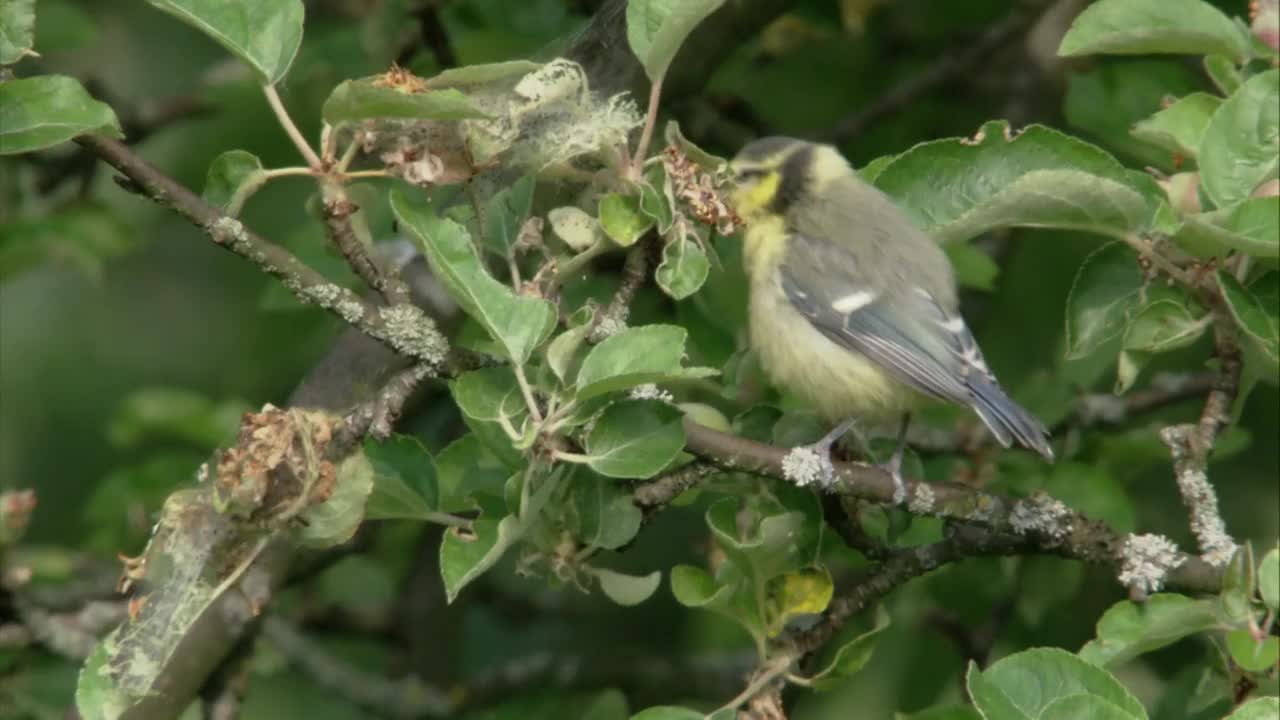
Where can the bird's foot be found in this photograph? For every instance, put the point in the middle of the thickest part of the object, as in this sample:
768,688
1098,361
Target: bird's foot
812,464
894,468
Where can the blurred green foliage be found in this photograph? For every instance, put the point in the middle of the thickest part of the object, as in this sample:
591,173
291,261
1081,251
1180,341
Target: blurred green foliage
129,346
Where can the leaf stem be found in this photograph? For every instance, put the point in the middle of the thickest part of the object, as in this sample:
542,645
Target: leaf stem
576,263
273,99
365,174
646,135
527,392
441,518
578,458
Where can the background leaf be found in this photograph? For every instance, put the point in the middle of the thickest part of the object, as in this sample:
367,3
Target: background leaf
355,100
47,110
1141,27
635,439
265,34
1241,146
657,28
518,324
17,30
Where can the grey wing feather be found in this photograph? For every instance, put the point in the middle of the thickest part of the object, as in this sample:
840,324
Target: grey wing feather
906,331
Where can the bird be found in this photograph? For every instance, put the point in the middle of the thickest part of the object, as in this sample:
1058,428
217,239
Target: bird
853,307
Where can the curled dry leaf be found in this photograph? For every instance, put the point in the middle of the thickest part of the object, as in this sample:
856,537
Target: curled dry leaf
278,466
698,191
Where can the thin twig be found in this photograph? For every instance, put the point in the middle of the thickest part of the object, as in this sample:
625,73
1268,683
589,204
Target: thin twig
412,335
1191,446
405,698
646,135
286,122
949,65
635,270
338,210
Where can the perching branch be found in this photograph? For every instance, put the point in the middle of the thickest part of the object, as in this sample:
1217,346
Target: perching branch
402,327
338,210
1040,523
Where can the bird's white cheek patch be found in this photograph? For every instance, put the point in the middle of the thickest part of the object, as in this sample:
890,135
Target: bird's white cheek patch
853,301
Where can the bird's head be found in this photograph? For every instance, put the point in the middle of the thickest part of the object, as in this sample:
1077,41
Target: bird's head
772,173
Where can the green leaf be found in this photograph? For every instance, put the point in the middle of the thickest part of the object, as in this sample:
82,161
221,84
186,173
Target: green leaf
174,413
232,177
1250,654
81,234
1238,585
404,479
1251,226
562,352
1258,323
1263,708
626,590
600,512
17,30
1105,291
1027,684
1269,579
466,554
482,74
336,519
635,439
1144,27
1179,127
1241,146
804,592
1163,325
657,28
944,712
973,268
1038,178
1074,707
666,712
654,200
1224,73
363,99
575,227
505,214
519,324
47,110
636,356
849,651
1130,629
694,587
621,219
684,267
264,33
466,469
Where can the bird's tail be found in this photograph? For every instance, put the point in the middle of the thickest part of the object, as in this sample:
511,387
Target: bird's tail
1007,420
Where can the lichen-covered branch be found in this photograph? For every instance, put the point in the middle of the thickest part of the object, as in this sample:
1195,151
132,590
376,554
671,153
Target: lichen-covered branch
404,328
338,210
1039,523
1190,446
635,270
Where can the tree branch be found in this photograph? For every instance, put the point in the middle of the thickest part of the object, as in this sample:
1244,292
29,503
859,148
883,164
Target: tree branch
1039,523
950,64
403,328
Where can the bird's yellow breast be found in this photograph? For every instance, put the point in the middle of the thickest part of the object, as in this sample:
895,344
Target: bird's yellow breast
836,382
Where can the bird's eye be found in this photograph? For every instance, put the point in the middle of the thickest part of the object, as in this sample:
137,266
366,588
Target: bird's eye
746,176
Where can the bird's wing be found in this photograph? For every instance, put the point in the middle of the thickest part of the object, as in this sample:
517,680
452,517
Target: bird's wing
905,330
902,329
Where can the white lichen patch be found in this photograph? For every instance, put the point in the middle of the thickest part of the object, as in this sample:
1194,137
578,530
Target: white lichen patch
227,230
411,332
1041,514
802,466
1145,561
1216,546
650,391
922,500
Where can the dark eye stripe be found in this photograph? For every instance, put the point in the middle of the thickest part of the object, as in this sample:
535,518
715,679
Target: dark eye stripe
750,175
